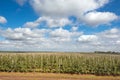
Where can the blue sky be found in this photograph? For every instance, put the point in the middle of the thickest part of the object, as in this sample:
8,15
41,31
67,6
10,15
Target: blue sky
55,25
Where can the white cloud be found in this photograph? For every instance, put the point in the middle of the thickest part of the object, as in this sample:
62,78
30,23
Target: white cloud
59,40
64,35
22,33
98,18
3,20
109,40
31,24
10,34
112,33
50,22
58,22
54,22
74,28
21,2
118,42
55,13
60,35
77,8
87,38
66,7
33,39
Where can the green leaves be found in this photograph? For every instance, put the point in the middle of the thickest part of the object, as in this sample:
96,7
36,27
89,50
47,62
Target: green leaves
61,63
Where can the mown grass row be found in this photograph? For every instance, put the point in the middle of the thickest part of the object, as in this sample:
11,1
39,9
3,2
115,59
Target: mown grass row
61,63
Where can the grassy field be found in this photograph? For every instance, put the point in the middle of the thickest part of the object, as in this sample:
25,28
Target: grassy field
70,63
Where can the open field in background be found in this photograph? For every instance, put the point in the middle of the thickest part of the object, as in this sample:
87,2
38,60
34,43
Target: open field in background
71,63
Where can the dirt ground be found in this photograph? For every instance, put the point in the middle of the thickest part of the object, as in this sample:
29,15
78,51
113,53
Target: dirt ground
51,76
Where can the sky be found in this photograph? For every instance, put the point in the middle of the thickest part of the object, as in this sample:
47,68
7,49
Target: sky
60,25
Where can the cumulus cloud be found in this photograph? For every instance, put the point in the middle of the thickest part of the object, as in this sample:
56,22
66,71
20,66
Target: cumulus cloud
55,15
58,22
50,22
59,40
108,40
74,28
22,33
97,18
112,33
54,22
81,9
66,7
31,24
64,35
3,20
60,35
87,38
11,34
56,12
118,42
109,36
21,38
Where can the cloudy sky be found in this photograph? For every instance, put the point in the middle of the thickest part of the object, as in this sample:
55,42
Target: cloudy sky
60,25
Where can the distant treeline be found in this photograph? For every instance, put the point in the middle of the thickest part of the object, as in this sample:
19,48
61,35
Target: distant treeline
107,52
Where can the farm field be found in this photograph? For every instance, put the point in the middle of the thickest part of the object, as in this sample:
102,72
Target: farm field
52,76
59,66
